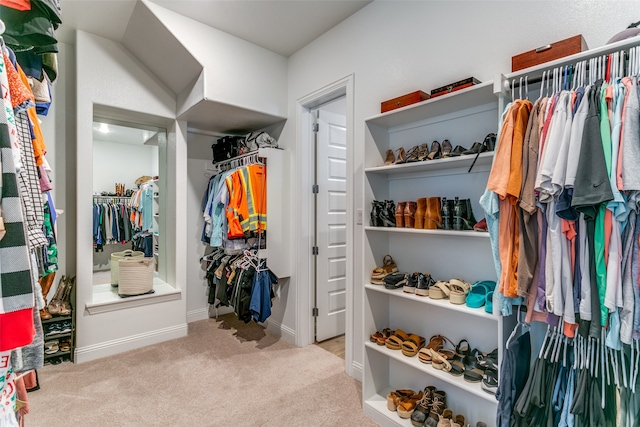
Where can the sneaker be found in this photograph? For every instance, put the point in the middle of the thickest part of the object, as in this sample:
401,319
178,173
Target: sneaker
425,281
395,280
438,405
412,281
66,327
53,329
421,412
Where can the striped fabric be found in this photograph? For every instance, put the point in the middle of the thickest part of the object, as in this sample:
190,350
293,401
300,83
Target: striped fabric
29,185
16,287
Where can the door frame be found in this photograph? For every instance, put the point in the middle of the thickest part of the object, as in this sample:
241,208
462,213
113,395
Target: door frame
304,237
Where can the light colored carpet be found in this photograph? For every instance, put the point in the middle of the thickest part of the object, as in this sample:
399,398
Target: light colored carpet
224,373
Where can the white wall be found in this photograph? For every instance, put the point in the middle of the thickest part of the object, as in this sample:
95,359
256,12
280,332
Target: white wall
236,72
398,47
108,77
132,161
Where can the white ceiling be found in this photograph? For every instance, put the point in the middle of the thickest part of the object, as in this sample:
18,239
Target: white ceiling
110,132
281,26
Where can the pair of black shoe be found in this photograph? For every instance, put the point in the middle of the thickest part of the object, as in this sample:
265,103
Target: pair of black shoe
457,214
383,213
419,284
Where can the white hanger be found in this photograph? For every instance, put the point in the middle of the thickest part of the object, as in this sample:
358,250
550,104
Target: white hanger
513,83
526,87
544,340
624,371
520,89
575,77
2,27
544,73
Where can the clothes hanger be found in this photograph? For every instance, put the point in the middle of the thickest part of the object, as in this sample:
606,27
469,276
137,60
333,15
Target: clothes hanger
544,73
575,77
544,340
526,87
520,89
513,83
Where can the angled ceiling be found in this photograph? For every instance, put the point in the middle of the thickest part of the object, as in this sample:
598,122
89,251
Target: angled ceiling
282,27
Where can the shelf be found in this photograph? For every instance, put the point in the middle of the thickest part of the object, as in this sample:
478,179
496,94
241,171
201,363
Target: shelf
414,362
473,96
57,354
451,233
106,298
376,408
433,165
443,303
57,336
57,319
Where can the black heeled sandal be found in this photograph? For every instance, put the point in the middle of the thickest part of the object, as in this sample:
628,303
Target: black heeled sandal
436,151
413,154
490,142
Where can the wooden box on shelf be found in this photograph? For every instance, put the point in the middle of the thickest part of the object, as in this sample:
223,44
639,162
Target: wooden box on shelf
403,101
549,52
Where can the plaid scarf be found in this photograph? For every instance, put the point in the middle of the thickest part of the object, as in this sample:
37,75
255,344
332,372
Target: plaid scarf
16,287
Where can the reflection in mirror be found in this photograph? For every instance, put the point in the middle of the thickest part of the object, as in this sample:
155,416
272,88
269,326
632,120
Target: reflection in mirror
126,197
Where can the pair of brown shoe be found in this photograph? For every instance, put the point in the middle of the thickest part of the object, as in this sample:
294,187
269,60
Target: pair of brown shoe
425,213
60,305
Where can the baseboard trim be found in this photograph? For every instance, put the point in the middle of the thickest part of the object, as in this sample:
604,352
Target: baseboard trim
132,342
282,330
199,314
357,371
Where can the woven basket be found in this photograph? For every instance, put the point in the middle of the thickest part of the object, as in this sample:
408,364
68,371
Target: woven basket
117,256
135,276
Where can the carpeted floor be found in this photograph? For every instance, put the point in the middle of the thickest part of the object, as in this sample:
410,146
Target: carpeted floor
224,373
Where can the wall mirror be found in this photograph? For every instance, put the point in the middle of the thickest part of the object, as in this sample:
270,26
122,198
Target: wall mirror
128,203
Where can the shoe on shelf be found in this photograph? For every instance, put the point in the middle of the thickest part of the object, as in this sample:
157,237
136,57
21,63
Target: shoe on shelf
395,280
433,215
421,210
406,407
439,290
412,282
388,266
423,407
402,156
459,289
459,420
51,347
490,381
424,284
381,337
435,152
490,142
446,148
394,342
481,225
413,155
65,344
411,346
476,148
56,302
66,327
388,214
395,397
52,329
457,151
438,405
375,218
390,158
410,214
399,214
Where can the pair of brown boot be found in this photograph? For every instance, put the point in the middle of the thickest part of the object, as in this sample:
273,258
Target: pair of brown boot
425,213
60,305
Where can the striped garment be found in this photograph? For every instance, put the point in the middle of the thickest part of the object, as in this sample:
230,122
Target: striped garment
16,287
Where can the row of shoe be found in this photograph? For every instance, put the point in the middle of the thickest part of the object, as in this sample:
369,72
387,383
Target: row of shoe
419,153
60,305
55,346
427,407
434,213
458,360
57,328
426,213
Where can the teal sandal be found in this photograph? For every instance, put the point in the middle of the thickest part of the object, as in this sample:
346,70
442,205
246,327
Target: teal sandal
478,294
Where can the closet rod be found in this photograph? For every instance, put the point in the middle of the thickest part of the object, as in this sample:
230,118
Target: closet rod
241,156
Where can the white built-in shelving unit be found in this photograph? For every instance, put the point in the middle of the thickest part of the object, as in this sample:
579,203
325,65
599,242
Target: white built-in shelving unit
463,117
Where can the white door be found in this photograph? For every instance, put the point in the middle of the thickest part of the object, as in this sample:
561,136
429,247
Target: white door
331,225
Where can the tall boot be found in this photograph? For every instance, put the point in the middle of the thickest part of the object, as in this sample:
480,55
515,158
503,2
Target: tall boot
421,211
376,207
389,214
399,214
65,308
433,217
410,214
45,285
469,219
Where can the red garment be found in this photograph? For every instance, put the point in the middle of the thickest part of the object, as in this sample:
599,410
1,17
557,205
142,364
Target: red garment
16,329
20,94
17,4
